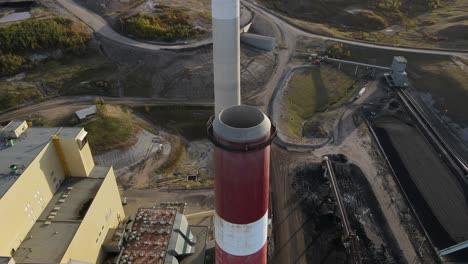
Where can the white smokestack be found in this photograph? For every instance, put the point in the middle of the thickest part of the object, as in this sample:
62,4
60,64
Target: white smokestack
226,53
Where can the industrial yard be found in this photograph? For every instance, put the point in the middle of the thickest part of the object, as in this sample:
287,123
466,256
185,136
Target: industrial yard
364,160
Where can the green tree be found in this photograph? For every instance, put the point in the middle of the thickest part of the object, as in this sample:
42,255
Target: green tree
338,51
49,33
10,63
8,101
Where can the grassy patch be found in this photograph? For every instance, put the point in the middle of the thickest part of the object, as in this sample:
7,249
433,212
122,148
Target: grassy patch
168,26
446,82
313,91
42,34
71,76
90,74
17,40
369,20
112,128
188,121
13,94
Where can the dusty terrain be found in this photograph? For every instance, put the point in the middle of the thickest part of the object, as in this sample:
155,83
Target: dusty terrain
408,23
184,74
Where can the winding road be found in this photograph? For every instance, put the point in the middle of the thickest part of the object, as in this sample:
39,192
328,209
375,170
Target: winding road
102,28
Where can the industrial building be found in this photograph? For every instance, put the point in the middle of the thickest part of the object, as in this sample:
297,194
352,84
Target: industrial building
56,205
162,236
398,77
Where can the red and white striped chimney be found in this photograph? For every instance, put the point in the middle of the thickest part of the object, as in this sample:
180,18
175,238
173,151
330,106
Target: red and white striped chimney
242,135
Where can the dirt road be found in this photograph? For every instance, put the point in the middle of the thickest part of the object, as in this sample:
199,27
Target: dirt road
77,100
288,221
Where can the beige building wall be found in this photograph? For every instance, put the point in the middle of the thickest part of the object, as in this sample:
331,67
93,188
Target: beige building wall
105,212
79,161
27,198
87,158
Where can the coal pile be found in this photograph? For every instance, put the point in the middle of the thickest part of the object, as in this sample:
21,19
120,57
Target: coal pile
322,226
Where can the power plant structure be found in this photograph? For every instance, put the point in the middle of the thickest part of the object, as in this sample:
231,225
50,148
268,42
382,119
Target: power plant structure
242,136
226,53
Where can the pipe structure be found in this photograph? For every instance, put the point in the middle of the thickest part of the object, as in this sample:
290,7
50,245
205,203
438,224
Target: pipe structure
242,136
226,53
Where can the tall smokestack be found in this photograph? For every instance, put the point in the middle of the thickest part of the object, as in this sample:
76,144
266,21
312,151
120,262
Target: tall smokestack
242,136
226,53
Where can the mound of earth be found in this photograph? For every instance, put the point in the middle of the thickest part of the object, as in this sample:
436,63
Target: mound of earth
455,32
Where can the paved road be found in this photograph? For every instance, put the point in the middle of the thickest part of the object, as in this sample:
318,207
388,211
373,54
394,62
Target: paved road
77,100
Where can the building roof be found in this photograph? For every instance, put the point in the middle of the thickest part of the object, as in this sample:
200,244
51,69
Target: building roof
5,260
400,59
70,197
13,124
69,132
55,228
157,236
22,153
47,243
25,150
83,113
149,237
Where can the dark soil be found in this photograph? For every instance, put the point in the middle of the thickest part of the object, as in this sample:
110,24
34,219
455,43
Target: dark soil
455,32
189,122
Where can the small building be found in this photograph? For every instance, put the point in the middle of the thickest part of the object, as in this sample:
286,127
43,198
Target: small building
14,129
398,77
86,113
258,41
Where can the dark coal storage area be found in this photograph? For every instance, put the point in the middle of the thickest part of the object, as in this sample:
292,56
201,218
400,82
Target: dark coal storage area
389,118
323,228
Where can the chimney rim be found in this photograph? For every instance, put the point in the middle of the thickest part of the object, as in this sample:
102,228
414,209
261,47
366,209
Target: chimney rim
241,123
